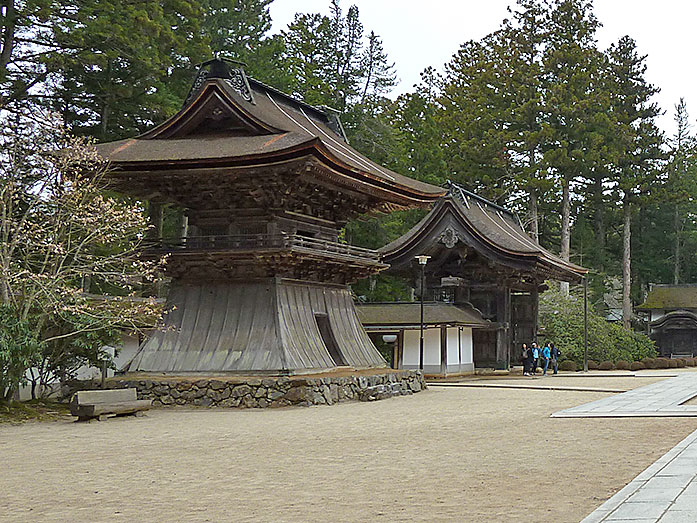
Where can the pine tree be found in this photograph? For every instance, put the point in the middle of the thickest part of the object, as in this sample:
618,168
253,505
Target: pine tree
239,29
125,66
682,180
637,145
571,72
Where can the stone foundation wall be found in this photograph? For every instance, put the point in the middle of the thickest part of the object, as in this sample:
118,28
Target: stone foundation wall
271,391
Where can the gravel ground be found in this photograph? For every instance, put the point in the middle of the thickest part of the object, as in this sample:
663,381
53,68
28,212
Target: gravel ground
447,454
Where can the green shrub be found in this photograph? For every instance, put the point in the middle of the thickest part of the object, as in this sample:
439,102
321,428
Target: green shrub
672,364
662,363
691,362
622,365
637,365
592,365
562,319
682,362
606,365
650,363
568,365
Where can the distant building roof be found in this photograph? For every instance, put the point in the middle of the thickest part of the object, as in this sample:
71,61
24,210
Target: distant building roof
671,297
382,316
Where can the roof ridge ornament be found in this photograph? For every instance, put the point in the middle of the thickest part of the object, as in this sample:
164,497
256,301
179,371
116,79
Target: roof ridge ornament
219,67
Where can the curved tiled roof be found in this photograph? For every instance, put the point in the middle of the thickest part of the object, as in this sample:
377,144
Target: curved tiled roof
264,126
492,230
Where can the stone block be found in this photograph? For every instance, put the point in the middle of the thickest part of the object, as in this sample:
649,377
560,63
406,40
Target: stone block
241,390
274,395
327,395
334,392
260,392
216,384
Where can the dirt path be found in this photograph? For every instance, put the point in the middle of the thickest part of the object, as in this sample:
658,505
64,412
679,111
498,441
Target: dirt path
448,454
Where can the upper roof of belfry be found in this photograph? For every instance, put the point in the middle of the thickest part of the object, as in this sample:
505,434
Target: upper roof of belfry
231,119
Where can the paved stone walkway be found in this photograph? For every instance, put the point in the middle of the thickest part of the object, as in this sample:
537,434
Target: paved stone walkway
663,398
666,492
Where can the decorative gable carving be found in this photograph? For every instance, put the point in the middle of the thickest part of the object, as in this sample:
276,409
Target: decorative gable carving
213,112
449,237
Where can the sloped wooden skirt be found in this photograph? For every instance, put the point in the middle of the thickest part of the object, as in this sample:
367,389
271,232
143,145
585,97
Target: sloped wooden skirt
270,327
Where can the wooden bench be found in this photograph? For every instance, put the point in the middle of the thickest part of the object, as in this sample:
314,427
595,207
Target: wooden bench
90,404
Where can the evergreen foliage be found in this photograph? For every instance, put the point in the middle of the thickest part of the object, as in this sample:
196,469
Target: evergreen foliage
561,317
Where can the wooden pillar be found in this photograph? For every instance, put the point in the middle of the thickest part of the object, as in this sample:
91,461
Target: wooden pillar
535,298
399,356
444,351
503,335
156,214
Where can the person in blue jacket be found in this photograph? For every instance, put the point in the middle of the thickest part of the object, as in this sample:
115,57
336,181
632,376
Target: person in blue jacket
535,358
546,355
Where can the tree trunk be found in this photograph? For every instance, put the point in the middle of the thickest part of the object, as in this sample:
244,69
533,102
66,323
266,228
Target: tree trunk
626,263
534,215
599,219
8,36
565,229
676,251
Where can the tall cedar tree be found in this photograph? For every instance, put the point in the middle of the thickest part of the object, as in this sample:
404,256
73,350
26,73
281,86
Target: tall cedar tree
239,29
682,181
131,64
571,71
637,144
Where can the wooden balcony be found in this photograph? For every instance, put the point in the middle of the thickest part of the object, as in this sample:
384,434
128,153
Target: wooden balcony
262,242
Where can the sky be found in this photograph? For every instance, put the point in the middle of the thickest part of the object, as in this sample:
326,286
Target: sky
416,37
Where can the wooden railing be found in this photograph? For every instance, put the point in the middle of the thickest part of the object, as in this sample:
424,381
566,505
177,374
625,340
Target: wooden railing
263,241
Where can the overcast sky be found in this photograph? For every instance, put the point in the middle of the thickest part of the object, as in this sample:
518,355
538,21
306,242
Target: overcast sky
419,33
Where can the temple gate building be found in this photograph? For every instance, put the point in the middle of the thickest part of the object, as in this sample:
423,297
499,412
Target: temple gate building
484,262
259,279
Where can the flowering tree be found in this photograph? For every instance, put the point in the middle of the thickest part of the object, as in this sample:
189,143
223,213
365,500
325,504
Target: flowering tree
70,265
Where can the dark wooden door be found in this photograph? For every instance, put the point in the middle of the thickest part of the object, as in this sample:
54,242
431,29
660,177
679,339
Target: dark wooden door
523,322
681,341
484,348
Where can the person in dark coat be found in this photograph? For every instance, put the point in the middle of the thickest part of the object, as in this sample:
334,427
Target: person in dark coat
526,359
555,356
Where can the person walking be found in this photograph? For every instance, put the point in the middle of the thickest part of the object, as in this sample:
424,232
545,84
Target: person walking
535,357
546,355
555,352
526,359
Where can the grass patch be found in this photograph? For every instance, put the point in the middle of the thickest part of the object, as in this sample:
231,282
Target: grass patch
34,410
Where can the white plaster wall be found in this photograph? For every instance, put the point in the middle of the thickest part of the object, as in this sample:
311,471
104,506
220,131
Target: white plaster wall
126,350
431,347
466,345
453,346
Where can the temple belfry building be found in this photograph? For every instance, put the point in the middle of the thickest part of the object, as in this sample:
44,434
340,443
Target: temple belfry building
260,279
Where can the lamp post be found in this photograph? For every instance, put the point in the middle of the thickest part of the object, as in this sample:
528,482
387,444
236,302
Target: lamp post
423,260
585,323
